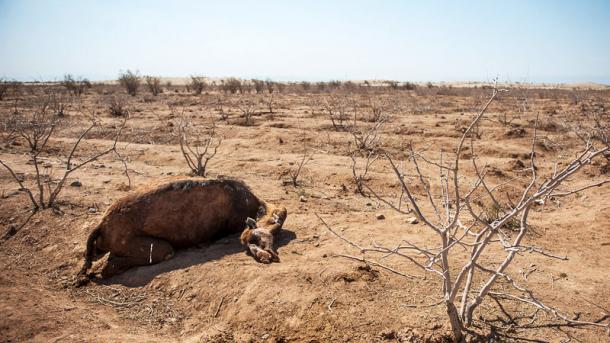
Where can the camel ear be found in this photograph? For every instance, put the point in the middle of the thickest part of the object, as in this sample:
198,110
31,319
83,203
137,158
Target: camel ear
279,215
251,223
245,237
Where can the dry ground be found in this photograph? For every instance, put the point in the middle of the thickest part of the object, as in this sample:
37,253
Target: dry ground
217,293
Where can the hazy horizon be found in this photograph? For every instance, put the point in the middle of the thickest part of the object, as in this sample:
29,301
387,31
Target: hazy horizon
519,41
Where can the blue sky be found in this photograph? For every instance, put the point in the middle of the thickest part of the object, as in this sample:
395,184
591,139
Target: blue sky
527,41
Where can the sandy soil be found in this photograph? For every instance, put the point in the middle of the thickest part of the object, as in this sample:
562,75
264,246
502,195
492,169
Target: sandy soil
217,293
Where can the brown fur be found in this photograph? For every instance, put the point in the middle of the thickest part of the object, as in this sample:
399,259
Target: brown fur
146,226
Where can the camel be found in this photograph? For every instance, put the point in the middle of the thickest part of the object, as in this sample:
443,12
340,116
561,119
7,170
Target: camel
146,226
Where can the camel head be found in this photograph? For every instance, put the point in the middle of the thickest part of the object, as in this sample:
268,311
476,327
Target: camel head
258,235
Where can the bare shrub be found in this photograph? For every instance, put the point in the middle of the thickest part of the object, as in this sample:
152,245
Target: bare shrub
259,85
269,103
246,87
295,172
270,85
366,137
36,128
334,84
231,85
362,161
130,81
247,107
4,87
198,144
197,84
154,85
218,104
336,109
76,86
321,86
306,86
409,86
364,147
476,245
118,106
58,103
596,127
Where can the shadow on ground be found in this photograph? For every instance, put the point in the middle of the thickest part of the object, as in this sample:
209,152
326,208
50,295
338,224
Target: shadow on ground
185,258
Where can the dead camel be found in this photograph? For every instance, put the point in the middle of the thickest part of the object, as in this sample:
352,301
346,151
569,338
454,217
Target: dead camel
146,226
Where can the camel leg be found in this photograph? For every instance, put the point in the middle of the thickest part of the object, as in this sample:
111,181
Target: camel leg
141,251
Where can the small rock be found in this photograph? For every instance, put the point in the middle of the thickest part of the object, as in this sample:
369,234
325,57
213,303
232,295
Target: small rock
302,199
380,216
92,210
388,334
265,336
76,183
413,220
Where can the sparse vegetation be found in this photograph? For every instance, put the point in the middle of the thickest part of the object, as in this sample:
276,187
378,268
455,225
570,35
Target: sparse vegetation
76,86
460,221
36,127
130,81
368,139
154,85
198,144
231,85
118,106
197,84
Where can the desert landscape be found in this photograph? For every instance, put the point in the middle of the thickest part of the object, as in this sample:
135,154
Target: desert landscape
348,159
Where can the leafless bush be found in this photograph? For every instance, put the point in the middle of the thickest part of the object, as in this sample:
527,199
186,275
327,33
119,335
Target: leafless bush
366,137
231,85
197,84
336,109
364,147
306,86
408,86
154,85
259,86
596,127
76,86
36,128
198,144
247,106
6,86
295,172
58,103
459,218
334,84
130,81
321,86
269,103
270,85
380,109
391,84
522,103
246,87
362,161
118,106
